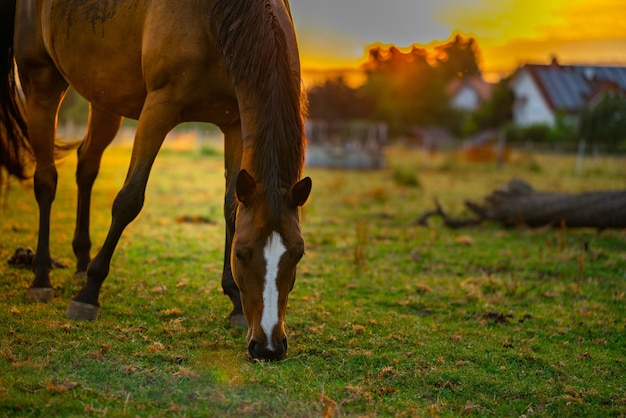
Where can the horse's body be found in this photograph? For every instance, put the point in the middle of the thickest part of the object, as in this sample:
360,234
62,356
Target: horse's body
231,63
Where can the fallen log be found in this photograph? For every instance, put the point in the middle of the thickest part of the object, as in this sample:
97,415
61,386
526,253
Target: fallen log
518,203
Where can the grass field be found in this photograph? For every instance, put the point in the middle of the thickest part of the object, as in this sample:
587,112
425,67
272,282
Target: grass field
386,318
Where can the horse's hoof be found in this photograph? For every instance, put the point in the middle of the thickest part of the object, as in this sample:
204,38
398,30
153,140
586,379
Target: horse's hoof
40,294
80,276
238,321
81,310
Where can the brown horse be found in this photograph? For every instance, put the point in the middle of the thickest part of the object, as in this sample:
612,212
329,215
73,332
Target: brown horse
233,63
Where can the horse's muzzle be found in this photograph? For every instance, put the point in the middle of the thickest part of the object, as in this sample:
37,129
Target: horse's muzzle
260,352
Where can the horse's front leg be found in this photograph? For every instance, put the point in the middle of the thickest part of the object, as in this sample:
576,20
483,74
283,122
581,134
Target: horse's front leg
44,89
103,127
154,123
232,162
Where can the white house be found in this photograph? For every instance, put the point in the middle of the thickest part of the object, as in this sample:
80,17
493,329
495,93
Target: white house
544,93
531,106
469,93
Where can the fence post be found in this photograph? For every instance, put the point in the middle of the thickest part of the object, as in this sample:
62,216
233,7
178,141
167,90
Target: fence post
580,157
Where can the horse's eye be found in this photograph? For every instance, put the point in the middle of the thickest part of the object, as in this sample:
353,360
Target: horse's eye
242,256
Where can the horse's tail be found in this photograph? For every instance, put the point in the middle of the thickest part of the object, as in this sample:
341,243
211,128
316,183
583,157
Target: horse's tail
15,151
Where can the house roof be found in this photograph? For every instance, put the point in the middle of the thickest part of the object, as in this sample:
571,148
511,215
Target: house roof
569,87
480,86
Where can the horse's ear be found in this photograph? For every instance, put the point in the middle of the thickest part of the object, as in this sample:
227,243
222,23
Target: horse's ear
246,186
300,191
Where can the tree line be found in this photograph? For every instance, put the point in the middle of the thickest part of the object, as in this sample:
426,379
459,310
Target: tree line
408,88
402,88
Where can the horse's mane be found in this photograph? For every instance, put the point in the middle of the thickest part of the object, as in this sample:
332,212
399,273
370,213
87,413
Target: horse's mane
255,49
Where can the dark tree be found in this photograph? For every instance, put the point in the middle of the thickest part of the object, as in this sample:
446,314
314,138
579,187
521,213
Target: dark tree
336,100
498,110
605,121
405,88
458,58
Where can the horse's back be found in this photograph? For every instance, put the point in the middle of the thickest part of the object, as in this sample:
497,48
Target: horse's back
115,53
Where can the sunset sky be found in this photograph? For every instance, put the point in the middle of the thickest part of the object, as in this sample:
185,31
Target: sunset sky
335,34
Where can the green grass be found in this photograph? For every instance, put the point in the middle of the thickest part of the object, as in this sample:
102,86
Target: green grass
386,318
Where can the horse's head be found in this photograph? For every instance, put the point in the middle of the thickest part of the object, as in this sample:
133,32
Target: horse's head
264,259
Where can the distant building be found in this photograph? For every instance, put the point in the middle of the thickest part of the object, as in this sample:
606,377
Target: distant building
543,92
469,93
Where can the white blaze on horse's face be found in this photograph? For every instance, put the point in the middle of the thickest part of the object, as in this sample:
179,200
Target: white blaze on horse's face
273,252
264,257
